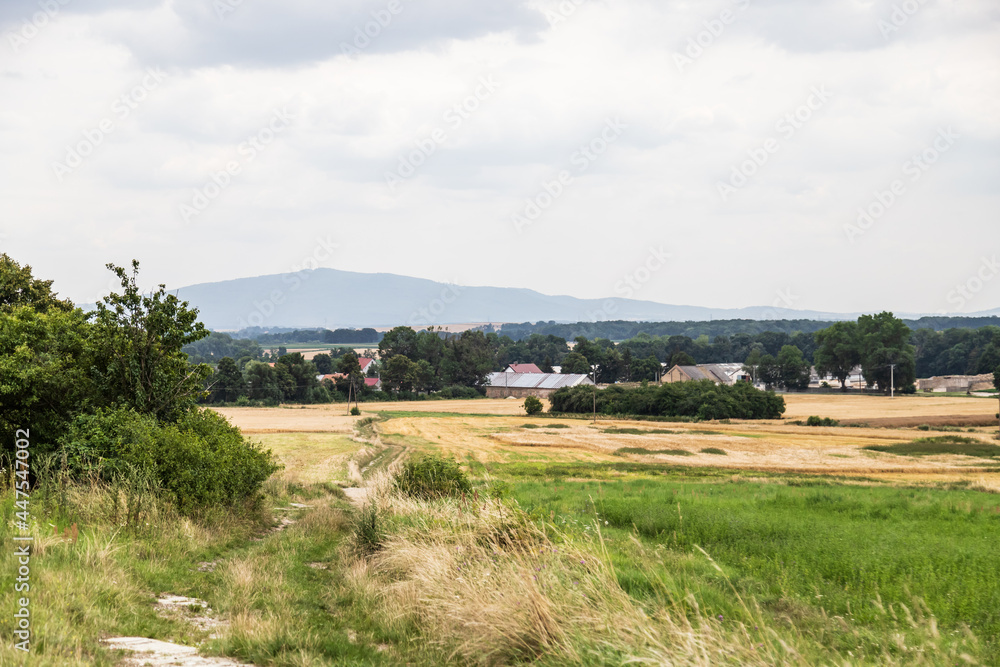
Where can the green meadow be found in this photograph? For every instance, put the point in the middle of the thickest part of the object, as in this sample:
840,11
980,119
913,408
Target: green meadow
856,567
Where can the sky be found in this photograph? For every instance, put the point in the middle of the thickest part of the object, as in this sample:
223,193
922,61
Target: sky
831,155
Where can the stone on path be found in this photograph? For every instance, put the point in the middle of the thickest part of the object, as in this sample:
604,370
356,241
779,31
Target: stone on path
155,653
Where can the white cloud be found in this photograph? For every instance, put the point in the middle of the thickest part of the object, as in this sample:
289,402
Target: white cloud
356,116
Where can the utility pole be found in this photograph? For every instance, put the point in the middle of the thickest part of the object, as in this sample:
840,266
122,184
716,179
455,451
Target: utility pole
892,380
595,393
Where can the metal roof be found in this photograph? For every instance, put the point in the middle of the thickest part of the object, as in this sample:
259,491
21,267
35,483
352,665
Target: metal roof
536,380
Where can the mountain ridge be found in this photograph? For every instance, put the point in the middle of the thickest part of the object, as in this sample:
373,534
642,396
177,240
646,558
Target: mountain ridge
326,298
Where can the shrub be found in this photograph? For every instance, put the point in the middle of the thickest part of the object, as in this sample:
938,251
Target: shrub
430,477
532,405
355,412
821,421
367,530
459,391
198,461
702,400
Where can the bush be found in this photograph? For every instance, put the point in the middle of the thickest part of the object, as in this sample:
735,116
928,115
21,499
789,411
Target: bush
532,405
368,533
431,477
821,421
703,400
458,391
198,461
355,412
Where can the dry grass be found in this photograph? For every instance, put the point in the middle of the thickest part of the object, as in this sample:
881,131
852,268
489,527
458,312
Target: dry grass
312,457
489,586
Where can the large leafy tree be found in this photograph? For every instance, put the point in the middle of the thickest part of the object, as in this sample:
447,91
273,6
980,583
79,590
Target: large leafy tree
137,339
574,362
401,340
468,359
44,383
794,369
884,341
839,351
303,374
227,384
769,371
19,288
400,373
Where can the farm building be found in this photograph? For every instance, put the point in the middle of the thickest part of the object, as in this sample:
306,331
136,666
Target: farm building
718,373
956,383
522,385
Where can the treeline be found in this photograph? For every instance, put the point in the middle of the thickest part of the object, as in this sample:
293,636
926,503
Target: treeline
701,400
620,330
300,336
110,397
424,362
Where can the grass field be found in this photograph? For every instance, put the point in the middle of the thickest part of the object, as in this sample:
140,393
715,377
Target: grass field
831,559
750,543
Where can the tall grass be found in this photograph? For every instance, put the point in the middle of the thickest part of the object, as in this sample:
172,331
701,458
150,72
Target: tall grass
852,566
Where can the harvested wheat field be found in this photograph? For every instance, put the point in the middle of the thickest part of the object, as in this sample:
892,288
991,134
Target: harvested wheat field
498,430
291,419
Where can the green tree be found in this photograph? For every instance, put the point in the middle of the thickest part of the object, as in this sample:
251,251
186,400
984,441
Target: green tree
575,363
262,382
400,340
794,369
44,379
884,341
400,373
468,359
839,351
303,373
752,363
19,288
769,371
681,358
138,341
227,383
532,405
646,369
323,363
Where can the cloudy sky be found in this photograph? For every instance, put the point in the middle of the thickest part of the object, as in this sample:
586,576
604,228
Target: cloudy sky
833,155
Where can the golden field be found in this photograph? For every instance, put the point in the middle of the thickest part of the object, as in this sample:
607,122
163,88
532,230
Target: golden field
317,437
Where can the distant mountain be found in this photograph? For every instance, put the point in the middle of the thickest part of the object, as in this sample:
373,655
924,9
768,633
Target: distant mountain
333,299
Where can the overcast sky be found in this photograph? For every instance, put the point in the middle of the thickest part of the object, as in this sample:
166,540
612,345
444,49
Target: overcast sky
560,146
